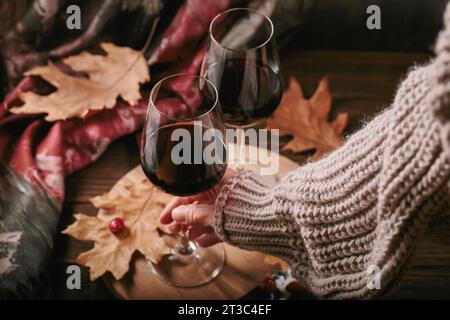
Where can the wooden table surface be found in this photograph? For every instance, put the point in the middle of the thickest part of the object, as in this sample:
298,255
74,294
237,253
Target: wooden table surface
362,84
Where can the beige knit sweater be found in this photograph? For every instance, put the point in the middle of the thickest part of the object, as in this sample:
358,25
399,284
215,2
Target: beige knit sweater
366,204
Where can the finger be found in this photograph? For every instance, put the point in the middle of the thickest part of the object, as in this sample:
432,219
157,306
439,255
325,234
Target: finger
198,230
193,214
207,240
166,214
174,227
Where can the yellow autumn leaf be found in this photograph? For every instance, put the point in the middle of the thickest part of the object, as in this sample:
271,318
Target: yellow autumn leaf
142,232
307,120
118,73
276,261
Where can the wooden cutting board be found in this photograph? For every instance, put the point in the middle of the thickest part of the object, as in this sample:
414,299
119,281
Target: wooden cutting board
242,272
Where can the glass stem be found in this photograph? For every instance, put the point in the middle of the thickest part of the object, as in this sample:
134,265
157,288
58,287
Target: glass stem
184,246
240,132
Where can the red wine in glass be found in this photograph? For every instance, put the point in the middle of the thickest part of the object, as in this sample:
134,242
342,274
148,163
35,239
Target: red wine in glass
250,91
189,177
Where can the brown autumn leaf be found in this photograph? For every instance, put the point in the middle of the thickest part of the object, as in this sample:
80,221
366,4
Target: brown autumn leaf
307,120
113,253
118,73
273,261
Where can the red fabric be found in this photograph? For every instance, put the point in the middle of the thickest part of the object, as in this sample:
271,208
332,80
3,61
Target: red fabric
188,29
45,152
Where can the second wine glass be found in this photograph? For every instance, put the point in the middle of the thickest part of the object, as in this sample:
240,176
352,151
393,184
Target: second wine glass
242,62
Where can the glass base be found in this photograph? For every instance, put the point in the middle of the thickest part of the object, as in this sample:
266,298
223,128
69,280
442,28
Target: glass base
194,267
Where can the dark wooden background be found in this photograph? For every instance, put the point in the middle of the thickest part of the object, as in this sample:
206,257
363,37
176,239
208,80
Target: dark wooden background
407,25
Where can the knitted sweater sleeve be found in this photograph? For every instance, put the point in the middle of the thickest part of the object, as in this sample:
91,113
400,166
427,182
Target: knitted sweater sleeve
364,205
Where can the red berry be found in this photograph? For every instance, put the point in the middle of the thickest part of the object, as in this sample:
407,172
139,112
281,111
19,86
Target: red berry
269,285
116,225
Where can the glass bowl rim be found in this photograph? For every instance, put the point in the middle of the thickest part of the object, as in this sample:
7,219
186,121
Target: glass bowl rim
252,11
171,117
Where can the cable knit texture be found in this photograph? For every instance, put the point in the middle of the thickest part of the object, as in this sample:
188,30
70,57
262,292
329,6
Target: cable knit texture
366,204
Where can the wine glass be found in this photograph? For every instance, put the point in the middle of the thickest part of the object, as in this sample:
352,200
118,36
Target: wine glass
242,62
183,153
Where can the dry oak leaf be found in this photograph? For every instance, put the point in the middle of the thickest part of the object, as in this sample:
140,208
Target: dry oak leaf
118,73
307,120
130,202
